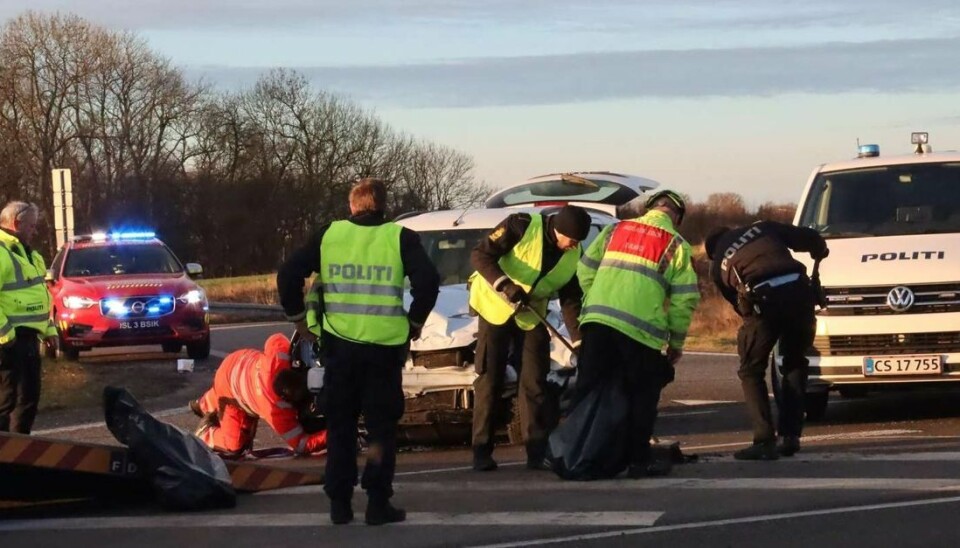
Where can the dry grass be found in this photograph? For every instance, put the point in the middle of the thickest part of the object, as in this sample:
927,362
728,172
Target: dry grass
259,289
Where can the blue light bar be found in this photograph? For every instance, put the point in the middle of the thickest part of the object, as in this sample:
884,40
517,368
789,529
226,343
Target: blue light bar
132,235
868,151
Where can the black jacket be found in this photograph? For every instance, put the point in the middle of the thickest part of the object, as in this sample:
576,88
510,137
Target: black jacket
759,252
424,279
502,239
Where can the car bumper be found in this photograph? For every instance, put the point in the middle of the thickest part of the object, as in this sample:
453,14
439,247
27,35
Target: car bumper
88,331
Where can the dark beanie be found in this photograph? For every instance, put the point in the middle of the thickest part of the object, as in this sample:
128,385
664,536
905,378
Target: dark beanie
573,222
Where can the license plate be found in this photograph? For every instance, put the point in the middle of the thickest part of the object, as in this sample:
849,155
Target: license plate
902,365
139,324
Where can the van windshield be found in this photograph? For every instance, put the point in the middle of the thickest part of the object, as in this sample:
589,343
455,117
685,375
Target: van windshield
885,201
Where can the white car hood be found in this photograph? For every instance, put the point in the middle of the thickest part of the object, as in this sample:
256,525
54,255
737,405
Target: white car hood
889,260
450,325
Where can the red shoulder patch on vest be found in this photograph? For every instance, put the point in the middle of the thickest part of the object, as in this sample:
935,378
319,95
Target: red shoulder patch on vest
648,242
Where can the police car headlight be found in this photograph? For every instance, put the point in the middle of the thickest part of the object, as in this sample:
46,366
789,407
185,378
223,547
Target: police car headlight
75,303
193,296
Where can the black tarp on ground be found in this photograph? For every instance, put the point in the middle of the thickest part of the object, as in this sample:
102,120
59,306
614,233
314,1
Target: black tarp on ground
591,443
184,472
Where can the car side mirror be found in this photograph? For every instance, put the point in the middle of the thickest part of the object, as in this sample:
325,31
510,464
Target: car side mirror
194,270
49,277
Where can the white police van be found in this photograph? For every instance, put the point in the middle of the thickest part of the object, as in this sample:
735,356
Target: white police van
892,280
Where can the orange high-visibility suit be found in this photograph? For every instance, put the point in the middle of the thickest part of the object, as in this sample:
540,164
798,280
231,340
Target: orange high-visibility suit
243,392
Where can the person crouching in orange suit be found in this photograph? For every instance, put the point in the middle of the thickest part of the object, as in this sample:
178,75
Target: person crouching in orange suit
252,385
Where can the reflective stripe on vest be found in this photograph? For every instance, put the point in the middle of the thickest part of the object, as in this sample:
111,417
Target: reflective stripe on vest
361,278
24,298
522,265
631,286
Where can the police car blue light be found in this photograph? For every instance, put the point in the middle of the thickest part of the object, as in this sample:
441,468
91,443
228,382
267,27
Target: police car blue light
868,151
140,235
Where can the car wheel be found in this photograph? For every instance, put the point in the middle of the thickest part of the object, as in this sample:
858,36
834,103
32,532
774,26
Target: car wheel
171,347
69,352
199,350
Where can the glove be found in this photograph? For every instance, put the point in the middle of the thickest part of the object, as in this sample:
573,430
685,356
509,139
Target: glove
415,330
515,293
821,254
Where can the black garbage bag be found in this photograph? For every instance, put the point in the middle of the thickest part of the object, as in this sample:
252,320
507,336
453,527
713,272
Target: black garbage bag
184,472
591,443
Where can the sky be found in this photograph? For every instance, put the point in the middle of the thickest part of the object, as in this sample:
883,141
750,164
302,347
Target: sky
704,96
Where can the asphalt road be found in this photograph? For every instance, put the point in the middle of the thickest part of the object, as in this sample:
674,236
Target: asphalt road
879,471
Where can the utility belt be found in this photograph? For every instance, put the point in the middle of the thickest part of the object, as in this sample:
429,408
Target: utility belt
752,297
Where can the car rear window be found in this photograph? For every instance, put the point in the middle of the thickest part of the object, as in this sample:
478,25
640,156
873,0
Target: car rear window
564,188
116,260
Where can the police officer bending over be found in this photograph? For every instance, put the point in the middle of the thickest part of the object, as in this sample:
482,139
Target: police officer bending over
755,272
524,260
640,291
360,264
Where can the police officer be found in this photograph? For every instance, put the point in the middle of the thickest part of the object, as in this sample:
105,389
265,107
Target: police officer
753,268
522,263
361,264
628,274
24,318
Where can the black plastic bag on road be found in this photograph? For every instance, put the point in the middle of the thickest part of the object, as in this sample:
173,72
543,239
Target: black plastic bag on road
591,443
184,472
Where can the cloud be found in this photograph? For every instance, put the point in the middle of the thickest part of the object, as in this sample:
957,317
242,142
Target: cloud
892,66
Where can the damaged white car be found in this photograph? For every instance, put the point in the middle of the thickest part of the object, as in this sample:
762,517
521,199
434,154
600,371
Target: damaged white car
438,377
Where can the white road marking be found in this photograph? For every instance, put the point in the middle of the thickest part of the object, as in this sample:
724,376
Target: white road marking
219,353
685,414
453,469
246,325
551,484
101,424
725,522
571,519
867,434
702,402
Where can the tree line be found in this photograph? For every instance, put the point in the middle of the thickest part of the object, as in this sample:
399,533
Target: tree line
232,179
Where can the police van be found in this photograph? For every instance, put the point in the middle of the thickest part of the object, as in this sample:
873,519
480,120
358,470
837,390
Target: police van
892,280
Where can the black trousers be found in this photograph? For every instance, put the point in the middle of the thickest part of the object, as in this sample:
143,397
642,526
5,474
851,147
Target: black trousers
20,382
787,316
642,371
539,406
367,379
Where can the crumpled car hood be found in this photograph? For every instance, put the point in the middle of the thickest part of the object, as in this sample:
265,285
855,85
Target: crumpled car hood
450,325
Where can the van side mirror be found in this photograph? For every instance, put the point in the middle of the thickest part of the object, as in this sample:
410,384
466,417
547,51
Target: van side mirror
194,270
49,277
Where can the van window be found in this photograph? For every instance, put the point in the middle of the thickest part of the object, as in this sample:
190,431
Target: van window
885,201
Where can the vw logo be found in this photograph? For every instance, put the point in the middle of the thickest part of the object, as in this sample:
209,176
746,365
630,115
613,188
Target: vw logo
137,307
900,299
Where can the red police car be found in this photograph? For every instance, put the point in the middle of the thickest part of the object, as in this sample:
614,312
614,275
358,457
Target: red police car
126,288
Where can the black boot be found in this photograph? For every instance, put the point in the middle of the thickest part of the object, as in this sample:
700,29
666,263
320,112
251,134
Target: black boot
483,459
789,445
536,456
341,511
380,512
195,407
758,451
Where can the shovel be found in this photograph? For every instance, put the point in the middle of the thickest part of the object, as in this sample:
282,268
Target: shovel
553,330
